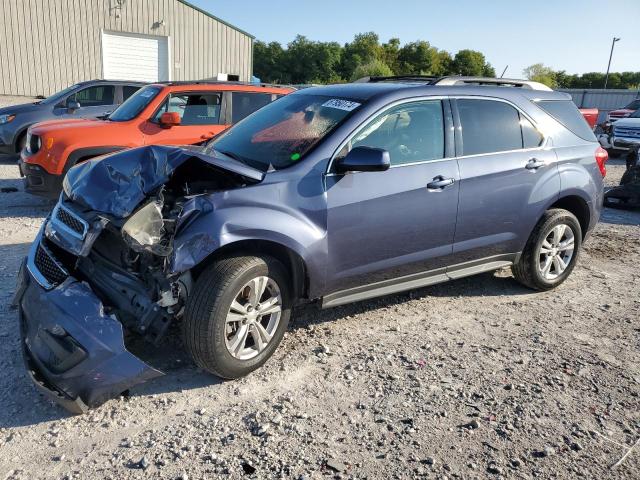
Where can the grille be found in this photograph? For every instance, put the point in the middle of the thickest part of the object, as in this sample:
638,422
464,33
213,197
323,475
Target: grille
70,220
627,132
49,267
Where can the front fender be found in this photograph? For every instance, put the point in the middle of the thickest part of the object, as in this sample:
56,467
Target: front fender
218,228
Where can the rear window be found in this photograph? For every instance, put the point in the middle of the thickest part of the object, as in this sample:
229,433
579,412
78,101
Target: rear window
566,112
244,104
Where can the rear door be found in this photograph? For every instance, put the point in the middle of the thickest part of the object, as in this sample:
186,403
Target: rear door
201,118
385,225
508,172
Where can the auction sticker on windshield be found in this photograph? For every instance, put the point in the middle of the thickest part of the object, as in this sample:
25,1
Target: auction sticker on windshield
345,105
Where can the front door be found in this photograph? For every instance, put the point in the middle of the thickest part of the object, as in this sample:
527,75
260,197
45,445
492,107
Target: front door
94,102
384,225
200,119
507,174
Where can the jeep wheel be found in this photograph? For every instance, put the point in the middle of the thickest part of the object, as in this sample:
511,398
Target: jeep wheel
237,315
551,252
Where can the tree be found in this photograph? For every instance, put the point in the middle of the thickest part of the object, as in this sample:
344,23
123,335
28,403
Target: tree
443,63
268,62
375,68
417,58
312,62
472,63
390,54
538,72
364,49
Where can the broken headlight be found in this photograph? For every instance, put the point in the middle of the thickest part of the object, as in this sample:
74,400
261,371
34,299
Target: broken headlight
145,231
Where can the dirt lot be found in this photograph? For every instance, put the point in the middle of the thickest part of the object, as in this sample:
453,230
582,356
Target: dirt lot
476,378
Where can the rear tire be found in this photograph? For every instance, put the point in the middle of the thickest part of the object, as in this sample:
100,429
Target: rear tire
237,314
551,252
21,143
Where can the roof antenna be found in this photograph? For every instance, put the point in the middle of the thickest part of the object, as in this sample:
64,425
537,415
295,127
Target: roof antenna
504,71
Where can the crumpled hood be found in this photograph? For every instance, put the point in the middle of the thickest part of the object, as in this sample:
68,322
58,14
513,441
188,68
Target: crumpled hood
118,183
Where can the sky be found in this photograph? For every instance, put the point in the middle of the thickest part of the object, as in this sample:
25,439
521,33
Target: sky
571,35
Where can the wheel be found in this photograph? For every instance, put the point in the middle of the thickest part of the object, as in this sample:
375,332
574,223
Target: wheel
21,143
237,314
551,252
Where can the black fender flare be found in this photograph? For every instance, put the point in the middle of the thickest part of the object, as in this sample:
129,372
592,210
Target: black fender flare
77,155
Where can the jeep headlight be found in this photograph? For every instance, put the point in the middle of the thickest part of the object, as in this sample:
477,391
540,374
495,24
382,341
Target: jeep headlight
6,118
145,231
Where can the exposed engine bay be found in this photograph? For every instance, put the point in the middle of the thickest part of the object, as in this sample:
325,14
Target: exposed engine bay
121,244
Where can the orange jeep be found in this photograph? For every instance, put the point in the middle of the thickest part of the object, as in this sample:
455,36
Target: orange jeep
176,113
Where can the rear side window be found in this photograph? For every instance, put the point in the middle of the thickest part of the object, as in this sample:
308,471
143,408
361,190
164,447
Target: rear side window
566,112
193,108
95,96
128,90
490,126
244,104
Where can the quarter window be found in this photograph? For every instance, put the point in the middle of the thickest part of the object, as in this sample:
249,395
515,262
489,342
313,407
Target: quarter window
410,133
95,96
193,108
244,104
489,126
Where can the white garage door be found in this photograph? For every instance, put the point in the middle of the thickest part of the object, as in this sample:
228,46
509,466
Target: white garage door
128,56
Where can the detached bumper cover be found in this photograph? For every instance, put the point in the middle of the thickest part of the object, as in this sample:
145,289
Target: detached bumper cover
73,350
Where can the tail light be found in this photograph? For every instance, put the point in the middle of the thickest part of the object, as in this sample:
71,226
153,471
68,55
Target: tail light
601,159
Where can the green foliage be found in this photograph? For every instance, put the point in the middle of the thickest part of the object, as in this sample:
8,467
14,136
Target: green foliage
561,79
472,63
307,61
375,68
539,73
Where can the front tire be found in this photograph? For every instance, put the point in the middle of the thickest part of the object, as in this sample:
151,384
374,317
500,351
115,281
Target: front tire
237,315
551,252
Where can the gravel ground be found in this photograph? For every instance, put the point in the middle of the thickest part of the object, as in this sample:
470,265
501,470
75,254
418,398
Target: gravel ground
475,378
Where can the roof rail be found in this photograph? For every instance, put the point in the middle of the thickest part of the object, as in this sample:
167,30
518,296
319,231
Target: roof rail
490,81
429,79
207,81
458,80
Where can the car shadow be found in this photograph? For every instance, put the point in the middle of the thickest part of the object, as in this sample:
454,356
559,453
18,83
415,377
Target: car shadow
16,203
616,216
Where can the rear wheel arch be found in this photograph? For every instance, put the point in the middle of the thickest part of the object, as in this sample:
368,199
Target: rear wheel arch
578,207
20,136
292,261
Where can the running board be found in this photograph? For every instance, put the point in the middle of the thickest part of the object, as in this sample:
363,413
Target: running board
417,280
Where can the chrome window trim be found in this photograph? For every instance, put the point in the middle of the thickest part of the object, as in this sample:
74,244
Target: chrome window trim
543,145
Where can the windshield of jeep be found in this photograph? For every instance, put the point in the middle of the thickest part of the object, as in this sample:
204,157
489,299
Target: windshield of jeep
133,105
283,132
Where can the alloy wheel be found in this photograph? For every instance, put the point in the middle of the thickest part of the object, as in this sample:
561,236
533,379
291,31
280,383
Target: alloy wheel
556,252
253,318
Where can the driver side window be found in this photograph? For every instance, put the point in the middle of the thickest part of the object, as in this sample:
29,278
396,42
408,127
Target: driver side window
412,132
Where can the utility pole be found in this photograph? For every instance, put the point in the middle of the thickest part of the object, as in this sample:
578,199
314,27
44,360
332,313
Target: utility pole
613,44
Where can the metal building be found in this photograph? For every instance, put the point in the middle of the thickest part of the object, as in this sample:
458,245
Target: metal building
47,45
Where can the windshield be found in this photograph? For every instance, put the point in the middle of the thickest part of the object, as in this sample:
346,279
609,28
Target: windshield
635,105
137,102
62,93
282,133
635,114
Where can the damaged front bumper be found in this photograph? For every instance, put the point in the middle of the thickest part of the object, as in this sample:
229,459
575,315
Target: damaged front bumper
73,349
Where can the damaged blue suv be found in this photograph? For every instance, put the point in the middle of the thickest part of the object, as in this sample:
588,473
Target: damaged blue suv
332,194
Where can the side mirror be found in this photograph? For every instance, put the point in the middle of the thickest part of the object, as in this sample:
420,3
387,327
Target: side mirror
364,159
72,105
169,119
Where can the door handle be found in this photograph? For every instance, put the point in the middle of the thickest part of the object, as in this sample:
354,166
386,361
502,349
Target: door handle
534,164
439,183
